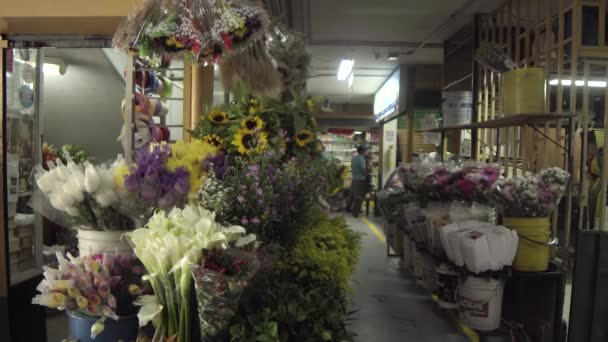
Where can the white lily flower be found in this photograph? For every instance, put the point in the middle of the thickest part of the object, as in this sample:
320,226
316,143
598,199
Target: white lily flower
91,178
149,311
72,211
245,240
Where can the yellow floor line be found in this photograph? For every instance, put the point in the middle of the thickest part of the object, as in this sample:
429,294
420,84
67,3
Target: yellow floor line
374,230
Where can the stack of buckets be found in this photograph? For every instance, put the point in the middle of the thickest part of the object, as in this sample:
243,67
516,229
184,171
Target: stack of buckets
533,250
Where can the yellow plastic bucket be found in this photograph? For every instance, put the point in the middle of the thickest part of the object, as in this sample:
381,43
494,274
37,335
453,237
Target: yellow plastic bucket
524,91
533,250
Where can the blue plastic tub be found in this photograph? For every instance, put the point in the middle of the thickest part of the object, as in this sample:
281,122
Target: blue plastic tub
125,329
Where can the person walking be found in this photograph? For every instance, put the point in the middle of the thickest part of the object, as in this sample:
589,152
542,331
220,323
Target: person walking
359,184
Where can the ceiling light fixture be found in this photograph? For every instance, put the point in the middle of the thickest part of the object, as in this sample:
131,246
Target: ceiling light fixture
51,69
54,66
345,69
393,57
357,132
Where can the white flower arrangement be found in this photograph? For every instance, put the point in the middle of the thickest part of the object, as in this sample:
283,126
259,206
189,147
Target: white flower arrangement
85,192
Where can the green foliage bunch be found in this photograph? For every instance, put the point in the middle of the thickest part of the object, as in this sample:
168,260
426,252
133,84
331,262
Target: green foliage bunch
327,250
306,297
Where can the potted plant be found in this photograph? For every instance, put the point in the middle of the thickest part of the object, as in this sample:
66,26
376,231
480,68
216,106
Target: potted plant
98,292
526,204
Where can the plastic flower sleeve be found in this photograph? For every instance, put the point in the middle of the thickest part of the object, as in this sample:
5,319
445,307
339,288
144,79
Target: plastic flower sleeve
220,281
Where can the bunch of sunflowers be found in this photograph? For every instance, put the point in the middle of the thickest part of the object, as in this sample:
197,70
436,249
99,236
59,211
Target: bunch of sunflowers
251,125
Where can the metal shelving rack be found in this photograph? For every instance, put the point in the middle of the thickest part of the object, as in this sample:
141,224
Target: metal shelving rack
133,67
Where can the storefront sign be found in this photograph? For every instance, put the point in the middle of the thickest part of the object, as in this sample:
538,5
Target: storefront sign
386,100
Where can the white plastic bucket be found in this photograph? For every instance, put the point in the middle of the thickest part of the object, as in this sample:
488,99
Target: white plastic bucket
457,108
480,303
448,281
91,242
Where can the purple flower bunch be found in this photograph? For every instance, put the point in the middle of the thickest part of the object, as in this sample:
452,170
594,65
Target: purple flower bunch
265,194
469,182
153,184
219,164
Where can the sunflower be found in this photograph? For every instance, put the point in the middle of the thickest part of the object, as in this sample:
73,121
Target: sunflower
218,117
248,142
303,137
310,104
172,41
253,124
213,139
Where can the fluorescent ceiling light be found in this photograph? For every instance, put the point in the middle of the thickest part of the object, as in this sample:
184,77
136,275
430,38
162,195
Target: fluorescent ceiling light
393,57
351,80
51,69
357,132
579,83
597,84
346,67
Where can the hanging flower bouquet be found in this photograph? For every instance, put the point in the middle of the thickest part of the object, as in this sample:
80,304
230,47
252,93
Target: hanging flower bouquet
100,286
80,194
220,280
193,30
532,196
237,23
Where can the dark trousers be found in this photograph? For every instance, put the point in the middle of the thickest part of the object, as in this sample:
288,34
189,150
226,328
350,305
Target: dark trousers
358,189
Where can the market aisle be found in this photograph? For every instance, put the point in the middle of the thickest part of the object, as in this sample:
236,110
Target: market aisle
391,307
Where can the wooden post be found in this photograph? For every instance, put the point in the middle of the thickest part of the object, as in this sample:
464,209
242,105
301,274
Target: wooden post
187,105
584,193
202,93
604,180
4,276
3,242
129,109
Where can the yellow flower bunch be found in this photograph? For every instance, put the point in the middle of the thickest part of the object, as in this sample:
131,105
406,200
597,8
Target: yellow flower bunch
190,156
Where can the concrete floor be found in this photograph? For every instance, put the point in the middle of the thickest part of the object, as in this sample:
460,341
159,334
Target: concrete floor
390,306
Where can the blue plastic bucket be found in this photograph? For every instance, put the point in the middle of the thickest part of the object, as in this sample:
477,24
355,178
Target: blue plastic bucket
125,329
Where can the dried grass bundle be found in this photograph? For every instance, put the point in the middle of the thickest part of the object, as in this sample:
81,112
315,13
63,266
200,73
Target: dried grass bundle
255,68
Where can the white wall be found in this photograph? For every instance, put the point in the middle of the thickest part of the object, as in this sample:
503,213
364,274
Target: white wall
83,106
389,148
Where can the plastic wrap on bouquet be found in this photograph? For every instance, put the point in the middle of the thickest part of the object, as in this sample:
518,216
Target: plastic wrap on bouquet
220,281
166,27
192,30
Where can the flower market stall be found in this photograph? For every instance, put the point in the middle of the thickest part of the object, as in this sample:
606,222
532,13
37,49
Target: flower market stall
224,237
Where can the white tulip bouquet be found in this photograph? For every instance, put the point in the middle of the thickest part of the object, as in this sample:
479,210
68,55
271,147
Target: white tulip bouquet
84,194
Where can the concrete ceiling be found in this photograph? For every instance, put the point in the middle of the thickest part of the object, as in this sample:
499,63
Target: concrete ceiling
368,31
